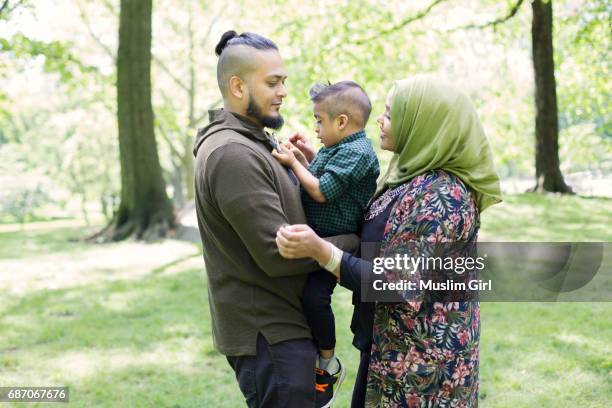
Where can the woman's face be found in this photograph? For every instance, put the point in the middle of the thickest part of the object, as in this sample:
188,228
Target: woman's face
384,122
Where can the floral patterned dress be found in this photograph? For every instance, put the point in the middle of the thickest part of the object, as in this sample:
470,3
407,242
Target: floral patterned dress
425,354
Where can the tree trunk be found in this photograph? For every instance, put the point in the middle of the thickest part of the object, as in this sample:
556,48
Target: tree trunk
548,173
145,212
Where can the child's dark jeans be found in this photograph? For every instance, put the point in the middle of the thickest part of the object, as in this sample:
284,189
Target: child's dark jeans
317,308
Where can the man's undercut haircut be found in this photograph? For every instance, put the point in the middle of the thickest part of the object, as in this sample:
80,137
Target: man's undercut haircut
235,58
344,97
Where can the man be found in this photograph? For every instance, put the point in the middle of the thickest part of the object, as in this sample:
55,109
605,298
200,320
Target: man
243,196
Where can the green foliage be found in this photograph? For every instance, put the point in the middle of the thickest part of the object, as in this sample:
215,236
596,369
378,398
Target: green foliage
59,133
20,204
583,148
85,168
68,126
320,45
584,67
24,192
56,55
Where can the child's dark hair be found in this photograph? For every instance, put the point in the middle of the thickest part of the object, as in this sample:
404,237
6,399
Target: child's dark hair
344,97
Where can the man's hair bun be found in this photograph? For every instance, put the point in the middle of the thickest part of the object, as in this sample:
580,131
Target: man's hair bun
225,38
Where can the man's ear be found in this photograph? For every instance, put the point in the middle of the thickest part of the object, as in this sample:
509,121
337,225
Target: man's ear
342,121
236,86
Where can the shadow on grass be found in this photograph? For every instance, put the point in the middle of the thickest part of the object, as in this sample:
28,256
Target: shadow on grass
548,218
153,385
147,341
132,343
158,386
123,313
137,343
538,354
20,245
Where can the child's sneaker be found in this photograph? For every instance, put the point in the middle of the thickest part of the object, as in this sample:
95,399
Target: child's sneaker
327,385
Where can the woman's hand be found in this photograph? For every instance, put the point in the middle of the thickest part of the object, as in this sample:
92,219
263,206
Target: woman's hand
300,241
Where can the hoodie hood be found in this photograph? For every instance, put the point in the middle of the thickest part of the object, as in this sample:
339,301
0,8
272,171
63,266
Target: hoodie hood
221,119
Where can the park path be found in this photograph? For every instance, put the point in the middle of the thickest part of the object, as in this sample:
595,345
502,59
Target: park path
94,263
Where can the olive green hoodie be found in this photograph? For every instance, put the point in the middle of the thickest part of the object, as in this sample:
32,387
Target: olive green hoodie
243,195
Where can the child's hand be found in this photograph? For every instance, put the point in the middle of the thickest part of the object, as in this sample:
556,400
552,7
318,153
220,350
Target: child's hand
307,149
286,156
299,156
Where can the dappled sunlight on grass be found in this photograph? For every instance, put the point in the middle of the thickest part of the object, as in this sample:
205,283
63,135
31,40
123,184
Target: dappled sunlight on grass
167,355
92,263
111,377
156,338
66,240
538,378
70,223
548,218
532,353
591,343
120,301
48,316
128,324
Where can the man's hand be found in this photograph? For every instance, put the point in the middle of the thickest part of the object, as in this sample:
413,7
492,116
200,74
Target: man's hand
285,156
300,141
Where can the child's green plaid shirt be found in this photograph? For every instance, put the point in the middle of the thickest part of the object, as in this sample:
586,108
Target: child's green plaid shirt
347,173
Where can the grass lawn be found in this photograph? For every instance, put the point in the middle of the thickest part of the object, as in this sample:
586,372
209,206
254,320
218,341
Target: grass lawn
127,325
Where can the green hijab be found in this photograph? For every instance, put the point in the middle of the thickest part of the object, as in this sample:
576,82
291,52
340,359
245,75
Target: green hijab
435,126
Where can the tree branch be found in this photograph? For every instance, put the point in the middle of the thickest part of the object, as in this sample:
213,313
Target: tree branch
93,35
192,119
166,138
421,14
170,74
9,10
210,27
511,13
111,7
3,6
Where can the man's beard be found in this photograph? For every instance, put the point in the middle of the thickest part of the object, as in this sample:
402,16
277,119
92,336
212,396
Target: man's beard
254,111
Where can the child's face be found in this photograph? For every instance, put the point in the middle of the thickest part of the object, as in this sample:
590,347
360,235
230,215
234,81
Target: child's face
326,128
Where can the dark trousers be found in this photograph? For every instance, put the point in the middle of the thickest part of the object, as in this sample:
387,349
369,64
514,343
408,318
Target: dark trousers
361,381
280,375
317,308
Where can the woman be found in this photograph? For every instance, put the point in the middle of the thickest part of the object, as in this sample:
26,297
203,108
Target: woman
419,353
